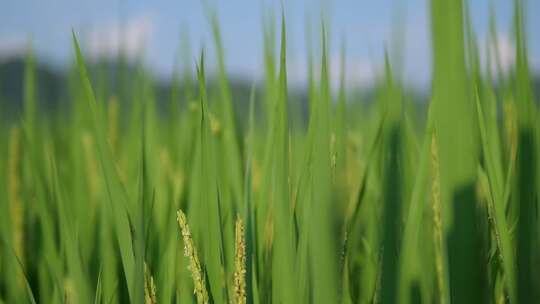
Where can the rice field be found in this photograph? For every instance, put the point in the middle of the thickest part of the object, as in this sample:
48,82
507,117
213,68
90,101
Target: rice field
111,201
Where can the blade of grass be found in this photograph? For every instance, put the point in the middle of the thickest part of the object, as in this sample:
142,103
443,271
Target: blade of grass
117,196
496,204
322,244
284,248
457,152
213,239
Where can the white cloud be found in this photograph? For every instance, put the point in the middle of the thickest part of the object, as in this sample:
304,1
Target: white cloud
130,36
13,45
506,51
359,72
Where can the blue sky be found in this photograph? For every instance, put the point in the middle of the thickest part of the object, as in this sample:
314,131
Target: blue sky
154,28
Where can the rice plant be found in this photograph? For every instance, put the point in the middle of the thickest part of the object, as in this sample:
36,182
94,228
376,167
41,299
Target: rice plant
113,200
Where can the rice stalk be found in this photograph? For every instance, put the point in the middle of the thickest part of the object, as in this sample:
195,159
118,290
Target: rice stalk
173,176
437,223
149,287
70,292
193,106
194,265
91,167
215,125
14,189
240,263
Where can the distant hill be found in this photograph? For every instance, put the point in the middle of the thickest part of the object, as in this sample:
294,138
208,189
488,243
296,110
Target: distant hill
53,88
49,85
